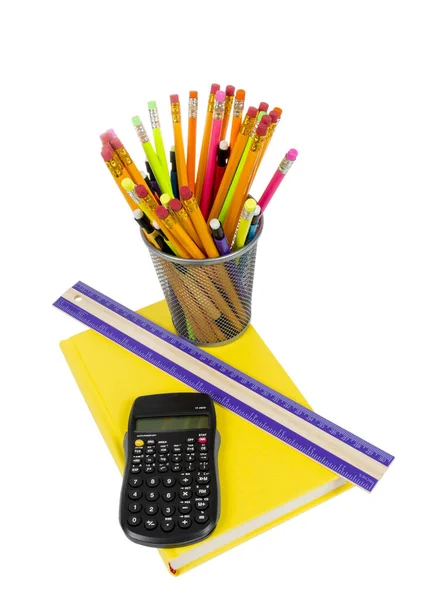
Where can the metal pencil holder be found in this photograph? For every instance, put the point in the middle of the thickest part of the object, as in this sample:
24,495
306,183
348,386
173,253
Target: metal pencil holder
209,300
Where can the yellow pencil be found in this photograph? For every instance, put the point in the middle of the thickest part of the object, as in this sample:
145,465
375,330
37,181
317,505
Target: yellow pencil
180,156
175,228
229,99
190,204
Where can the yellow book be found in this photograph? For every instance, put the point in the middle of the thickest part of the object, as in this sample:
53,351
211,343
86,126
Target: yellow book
263,482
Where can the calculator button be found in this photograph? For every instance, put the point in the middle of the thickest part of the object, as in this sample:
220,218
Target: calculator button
150,524
151,496
190,457
177,450
150,443
149,460
185,480
202,491
190,440
184,521
185,494
135,482
163,449
135,507
138,451
201,504
202,518
176,468
135,470
203,456
203,478
135,494
202,439
162,459
152,481
190,467
149,469
204,466
168,524
168,481
203,448
134,520
167,511
162,468
176,458
150,451
168,496
139,443
152,509
184,508
190,449
136,461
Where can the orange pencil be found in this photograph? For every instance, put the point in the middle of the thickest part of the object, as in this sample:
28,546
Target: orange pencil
184,220
178,140
243,186
193,210
237,116
117,171
191,139
229,99
235,158
205,143
178,232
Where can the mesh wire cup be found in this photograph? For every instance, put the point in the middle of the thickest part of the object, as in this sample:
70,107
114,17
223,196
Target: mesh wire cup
209,300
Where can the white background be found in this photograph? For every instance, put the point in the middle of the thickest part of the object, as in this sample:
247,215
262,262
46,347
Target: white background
336,294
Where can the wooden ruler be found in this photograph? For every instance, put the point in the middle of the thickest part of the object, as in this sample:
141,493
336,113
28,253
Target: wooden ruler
346,454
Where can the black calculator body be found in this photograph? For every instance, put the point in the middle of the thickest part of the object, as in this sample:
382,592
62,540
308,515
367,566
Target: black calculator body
170,493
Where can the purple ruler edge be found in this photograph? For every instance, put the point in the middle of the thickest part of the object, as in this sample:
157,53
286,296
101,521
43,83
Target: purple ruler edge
293,439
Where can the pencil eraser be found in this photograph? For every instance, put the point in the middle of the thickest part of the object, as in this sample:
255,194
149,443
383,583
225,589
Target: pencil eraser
250,205
252,112
223,145
240,94
215,87
172,149
111,133
263,106
262,128
175,205
141,191
266,119
291,154
161,212
137,213
127,184
185,192
174,98
165,199
274,116
214,224
229,90
136,121
220,96
257,211
278,110
116,143
107,152
193,94
152,105
105,137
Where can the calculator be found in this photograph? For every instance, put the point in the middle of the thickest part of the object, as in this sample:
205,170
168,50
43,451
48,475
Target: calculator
170,492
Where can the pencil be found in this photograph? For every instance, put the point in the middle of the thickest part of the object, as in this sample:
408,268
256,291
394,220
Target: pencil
191,137
157,136
236,153
237,116
190,204
244,223
275,118
205,143
178,232
183,218
229,99
178,140
117,145
243,185
117,171
218,114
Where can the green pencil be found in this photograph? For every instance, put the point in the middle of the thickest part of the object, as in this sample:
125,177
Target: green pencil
157,136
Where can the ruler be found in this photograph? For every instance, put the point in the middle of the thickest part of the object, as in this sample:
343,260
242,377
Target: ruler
342,452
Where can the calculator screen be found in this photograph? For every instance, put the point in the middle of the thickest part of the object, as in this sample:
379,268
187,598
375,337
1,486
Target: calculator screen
172,423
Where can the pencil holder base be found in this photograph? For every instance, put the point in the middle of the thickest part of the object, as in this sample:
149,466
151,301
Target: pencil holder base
209,300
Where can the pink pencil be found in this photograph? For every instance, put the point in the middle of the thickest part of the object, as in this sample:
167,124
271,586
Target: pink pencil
218,115
275,182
